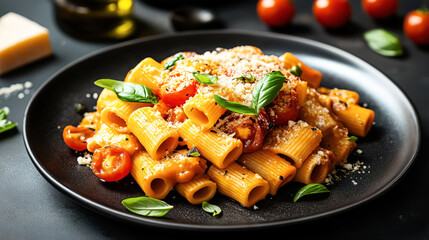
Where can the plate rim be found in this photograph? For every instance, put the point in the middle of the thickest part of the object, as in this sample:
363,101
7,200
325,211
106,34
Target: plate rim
130,218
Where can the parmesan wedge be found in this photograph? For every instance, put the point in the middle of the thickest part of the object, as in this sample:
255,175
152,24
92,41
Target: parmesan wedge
21,41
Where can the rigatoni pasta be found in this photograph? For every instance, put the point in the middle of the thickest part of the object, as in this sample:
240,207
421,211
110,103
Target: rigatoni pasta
233,121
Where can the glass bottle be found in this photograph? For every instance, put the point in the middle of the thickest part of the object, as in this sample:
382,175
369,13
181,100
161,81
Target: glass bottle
96,19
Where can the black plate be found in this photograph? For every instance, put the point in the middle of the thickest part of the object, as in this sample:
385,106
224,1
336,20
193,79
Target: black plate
388,151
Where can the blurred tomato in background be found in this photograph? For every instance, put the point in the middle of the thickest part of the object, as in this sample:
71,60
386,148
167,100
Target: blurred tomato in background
276,13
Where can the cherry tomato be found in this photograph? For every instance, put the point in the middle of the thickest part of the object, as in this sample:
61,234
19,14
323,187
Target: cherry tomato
250,130
276,13
332,13
284,108
380,8
111,163
176,92
416,26
75,137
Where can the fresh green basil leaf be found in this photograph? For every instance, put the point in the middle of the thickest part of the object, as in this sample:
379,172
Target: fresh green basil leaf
267,89
310,189
383,42
193,152
147,206
234,106
352,138
249,78
211,208
173,60
205,78
4,112
5,124
296,70
128,92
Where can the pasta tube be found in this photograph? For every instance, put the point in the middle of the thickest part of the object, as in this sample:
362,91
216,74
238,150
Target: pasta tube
357,119
239,183
155,134
316,167
296,140
198,190
315,114
344,95
158,177
105,98
220,150
312,76
337,142
273,168
148,72
203,110
117,113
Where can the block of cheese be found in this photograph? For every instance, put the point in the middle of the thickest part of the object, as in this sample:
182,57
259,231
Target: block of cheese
21,41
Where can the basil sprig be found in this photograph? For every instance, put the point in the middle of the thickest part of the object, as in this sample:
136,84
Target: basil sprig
173,60
264,92
193,152
147,206
128,92
383,42
296,70
211,208
205,78
5,124
248,78
352,139
313,188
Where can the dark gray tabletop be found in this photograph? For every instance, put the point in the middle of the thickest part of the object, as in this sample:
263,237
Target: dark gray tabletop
30,208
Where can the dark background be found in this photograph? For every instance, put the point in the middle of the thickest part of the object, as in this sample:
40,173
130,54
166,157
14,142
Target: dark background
30,208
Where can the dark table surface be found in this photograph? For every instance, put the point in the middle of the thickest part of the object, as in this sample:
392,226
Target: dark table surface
31,208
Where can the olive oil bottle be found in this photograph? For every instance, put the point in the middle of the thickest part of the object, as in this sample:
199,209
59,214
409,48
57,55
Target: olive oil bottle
96,19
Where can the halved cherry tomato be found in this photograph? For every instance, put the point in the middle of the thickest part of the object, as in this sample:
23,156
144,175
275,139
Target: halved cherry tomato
284,107
111,163
249,130
416,26
75,137
276,13
332,13
380,8
175,93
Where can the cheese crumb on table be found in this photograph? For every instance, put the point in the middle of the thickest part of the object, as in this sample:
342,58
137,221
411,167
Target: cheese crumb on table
21,41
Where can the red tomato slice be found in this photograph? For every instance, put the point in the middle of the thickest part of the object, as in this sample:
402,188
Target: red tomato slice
175,93
75,137
111,163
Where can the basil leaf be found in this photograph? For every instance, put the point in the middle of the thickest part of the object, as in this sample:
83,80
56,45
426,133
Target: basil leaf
211,208
193,152
4,112
234,106
147,206
352,139
205,78
249,78
310,189
296,70
172,61
128,92
267,89
383,42
5,124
